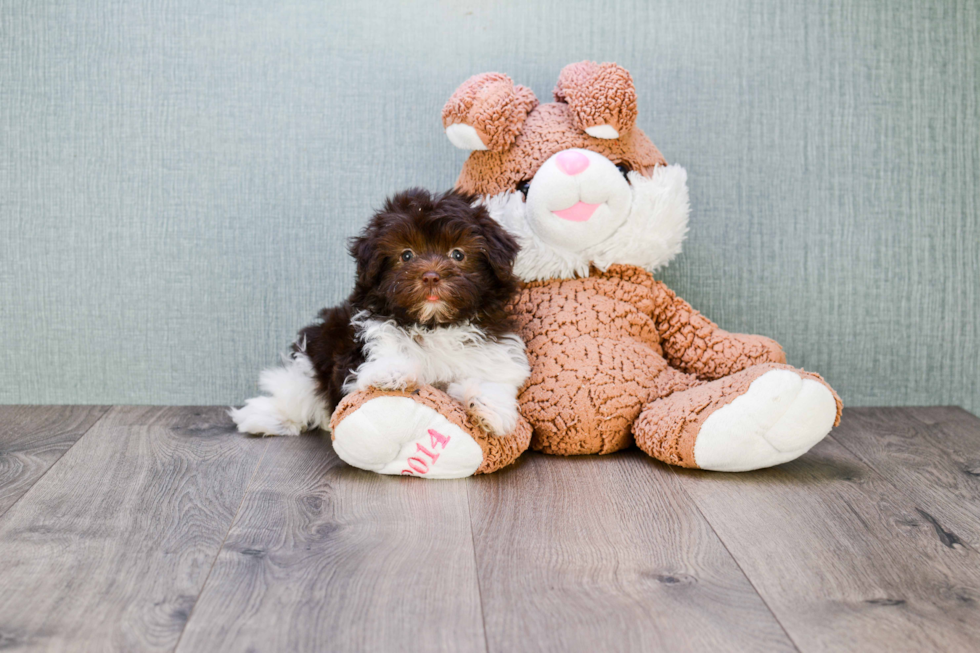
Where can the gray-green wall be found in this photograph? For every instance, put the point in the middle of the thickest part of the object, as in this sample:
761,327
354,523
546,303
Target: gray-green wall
177,179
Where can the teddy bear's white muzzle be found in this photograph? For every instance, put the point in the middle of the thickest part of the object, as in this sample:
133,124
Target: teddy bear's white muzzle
576,199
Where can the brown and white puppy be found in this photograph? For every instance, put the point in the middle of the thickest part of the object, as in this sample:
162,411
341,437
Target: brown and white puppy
434,276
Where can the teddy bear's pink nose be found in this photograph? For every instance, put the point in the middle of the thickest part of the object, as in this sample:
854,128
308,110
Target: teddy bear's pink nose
572,162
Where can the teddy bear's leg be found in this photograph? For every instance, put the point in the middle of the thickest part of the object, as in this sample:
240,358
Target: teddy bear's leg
587,403
423,433
762,416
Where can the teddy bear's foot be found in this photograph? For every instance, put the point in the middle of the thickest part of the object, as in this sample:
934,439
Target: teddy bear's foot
396,435
763,416
423,433
778,419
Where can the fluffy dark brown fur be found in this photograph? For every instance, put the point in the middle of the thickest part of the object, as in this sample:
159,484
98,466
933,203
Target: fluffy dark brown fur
406,272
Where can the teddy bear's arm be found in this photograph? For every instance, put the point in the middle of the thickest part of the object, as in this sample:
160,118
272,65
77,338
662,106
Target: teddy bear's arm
694,344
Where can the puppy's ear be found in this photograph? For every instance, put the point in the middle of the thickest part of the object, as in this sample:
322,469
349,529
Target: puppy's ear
364,249
500,249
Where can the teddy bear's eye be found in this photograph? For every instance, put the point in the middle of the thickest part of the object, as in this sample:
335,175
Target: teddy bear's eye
623,168
523,186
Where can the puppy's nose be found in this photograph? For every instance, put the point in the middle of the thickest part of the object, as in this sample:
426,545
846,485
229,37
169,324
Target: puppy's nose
431,278
572,162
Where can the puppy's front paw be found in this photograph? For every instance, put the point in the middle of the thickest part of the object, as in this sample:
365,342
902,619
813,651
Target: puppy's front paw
387,376
492,409
491,419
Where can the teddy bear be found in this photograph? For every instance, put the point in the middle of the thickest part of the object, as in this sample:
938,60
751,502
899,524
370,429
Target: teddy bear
616,357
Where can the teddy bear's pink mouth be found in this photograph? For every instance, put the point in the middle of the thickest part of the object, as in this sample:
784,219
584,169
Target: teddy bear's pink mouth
578,212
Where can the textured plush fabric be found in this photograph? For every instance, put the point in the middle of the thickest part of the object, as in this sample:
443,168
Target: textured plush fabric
178,179
598,94
493,106
599,349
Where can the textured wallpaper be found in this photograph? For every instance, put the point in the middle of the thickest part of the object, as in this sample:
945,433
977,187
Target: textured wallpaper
178,179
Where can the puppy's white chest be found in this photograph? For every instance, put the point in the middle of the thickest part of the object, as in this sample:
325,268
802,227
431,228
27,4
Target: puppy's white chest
445,354
444,360
436,340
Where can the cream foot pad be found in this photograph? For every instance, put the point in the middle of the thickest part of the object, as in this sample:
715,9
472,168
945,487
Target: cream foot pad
778,419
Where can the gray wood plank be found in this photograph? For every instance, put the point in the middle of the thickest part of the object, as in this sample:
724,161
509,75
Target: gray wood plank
325,557
32,438
932,455
110,549
844,560
607,554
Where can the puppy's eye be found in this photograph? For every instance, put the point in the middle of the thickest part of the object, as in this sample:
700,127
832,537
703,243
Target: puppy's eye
623,168
407,255
457,255
523,186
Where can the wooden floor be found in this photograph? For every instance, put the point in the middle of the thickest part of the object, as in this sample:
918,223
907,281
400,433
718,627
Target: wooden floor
154,528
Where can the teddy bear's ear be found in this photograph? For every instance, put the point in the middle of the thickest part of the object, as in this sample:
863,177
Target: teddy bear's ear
487,112
601,97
